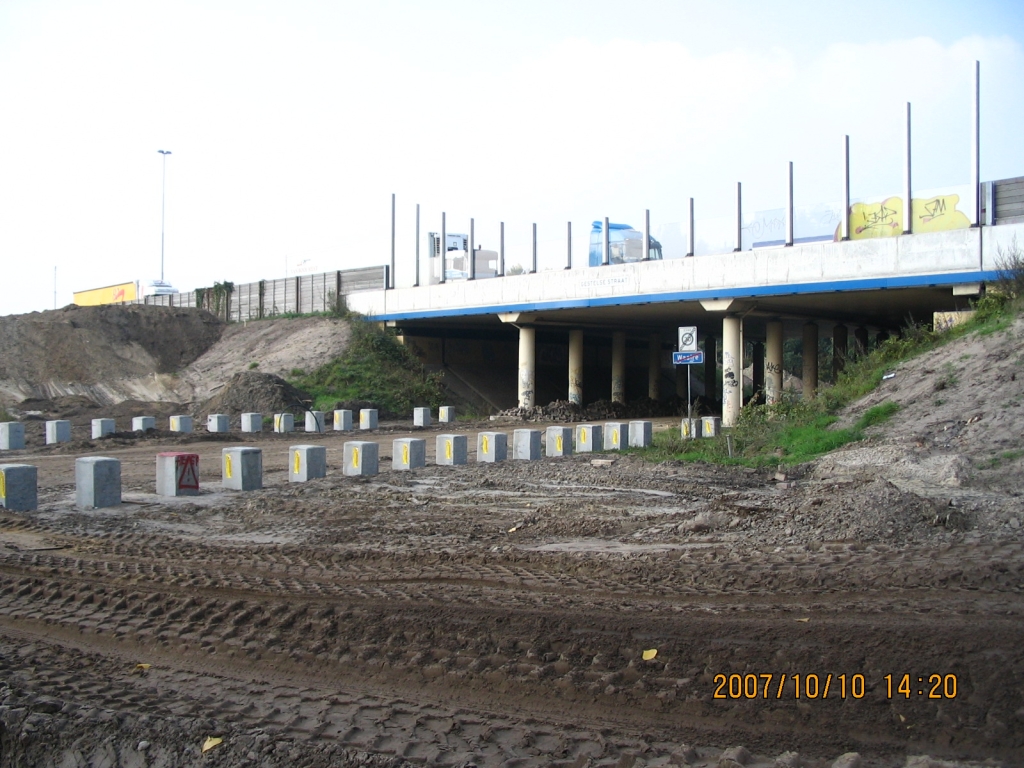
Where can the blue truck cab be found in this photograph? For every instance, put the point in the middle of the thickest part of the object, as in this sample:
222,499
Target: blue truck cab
625,244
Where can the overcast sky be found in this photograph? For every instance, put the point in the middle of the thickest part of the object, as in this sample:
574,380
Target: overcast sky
292,123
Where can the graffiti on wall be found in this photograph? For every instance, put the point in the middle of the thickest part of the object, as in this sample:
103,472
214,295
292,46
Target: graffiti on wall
885,219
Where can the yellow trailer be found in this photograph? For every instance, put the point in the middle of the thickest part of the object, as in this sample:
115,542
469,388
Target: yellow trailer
110,294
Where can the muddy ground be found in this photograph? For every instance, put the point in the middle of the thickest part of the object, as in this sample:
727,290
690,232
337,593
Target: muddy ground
505,614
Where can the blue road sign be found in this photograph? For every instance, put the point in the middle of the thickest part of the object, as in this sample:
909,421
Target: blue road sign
688,358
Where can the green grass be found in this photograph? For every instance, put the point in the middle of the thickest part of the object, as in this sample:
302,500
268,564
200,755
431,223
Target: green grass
376,368
5,415
793,432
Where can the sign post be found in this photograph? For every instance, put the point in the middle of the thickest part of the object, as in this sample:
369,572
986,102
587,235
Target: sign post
688,355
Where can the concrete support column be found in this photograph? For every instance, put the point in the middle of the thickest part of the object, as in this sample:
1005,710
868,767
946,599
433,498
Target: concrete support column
810,353
861,338
527,366
732,370
654,367
576,367
773,363
710,369
840,349
757,372
619,367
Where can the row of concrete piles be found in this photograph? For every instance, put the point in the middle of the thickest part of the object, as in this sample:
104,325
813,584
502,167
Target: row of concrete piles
12,433
98,478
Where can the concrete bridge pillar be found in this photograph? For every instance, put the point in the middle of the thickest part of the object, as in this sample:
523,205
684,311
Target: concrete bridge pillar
840,349
732,370
527,366
810,354
654,366
861,338
619,367
710,369
576,367
773,363
757,372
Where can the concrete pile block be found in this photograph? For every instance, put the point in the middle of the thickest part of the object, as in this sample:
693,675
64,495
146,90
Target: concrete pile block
421,417
711,426
640,434
241,468
306,462
142,423
690,429
181,423
446,414
526,444
12,436
451,450
103,427
558,441
18,487
408,453
58,431
283,423
315,421
177,474
362,458
615,434
217,422
343,421
97,482
589,438
368,418
252,422
491,447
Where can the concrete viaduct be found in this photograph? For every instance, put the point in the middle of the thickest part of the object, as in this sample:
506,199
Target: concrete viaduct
844,289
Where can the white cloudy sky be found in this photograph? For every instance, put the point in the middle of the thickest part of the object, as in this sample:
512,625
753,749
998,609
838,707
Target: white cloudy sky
292,123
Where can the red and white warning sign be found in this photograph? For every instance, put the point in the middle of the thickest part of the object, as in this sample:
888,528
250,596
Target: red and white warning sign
177,474
187,471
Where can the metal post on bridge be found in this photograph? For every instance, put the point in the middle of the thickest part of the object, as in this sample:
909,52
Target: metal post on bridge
533,270
976,146
501,250
391,272
416,280
568,246
606,252
472,250
444,247
739,217
845,233
647,235
689,250
789,209
908,212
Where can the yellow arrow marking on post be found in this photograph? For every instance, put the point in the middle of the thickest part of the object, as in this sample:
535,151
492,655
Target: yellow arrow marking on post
583,436
3,485
405,453
227,465
355,457
484,443
447,449
298,463
558,443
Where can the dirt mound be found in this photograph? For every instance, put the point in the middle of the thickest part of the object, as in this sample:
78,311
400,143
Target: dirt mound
88,350
283,347
960,422
254,392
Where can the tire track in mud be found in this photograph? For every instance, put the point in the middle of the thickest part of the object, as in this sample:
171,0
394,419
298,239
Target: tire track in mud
466,629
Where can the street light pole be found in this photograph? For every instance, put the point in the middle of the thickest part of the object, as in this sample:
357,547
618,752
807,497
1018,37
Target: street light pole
163,201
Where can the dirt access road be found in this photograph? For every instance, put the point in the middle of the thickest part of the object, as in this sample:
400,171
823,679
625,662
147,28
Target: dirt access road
499,615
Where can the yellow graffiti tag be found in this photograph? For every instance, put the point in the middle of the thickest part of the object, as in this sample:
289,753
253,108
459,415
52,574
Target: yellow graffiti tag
938,214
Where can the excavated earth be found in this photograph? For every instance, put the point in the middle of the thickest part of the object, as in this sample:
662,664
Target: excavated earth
566,612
